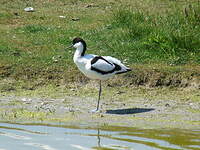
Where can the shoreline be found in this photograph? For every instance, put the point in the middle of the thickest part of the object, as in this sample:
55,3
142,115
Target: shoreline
143,108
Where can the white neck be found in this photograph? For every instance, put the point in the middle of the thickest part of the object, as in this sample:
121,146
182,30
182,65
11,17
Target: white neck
78,52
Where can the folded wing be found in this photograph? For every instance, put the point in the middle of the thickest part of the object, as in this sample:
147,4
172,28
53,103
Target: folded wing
108,65
101,65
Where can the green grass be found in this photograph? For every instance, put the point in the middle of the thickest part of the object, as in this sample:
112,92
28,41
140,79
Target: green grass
137,32
144,38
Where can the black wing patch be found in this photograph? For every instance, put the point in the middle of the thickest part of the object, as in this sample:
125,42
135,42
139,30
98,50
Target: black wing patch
95,59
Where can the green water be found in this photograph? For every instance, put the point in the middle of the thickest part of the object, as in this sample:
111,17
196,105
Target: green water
41,137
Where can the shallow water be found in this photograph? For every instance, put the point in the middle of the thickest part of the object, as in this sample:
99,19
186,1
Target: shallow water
41,137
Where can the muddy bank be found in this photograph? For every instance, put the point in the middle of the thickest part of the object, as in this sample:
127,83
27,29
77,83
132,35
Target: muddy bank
159,78
153,96
153,108
142,75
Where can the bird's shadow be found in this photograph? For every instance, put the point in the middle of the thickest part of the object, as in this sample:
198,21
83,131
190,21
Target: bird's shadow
129,111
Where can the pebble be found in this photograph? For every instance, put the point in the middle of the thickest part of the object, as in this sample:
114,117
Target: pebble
71,110
90,5
167,105
56,58
62,17
26,99
29,9
120,92
75,19
190,104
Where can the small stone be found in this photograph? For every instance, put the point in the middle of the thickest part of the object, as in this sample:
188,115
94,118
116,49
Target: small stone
29,9
90,5
26,100
72,89
120,92
71,110
55,59
75,19
62,17
167,105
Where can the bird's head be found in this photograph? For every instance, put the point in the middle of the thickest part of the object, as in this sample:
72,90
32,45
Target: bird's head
79,44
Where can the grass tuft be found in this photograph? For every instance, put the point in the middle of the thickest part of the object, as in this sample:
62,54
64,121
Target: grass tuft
35,28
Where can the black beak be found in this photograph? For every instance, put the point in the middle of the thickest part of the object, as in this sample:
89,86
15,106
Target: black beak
69,47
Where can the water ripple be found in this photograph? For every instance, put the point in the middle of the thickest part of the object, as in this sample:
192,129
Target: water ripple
38,145
25,137
15,136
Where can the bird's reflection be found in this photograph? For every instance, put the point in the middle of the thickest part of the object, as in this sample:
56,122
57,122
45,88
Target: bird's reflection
98,138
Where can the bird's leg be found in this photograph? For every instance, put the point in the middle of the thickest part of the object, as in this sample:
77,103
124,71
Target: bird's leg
99,95
97,109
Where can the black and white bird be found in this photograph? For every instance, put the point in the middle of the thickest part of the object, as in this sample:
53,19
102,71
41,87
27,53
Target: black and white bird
94,66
